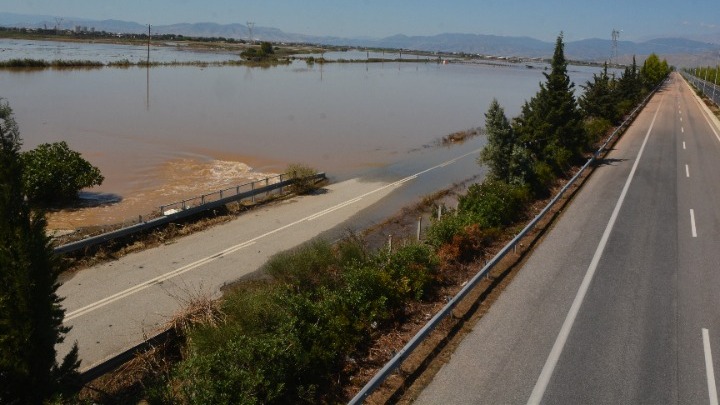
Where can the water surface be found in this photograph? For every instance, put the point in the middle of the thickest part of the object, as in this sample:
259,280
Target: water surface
166,133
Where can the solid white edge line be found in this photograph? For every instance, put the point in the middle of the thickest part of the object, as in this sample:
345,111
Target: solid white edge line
163,277
704,113
552,360
687,171
709,370
692,223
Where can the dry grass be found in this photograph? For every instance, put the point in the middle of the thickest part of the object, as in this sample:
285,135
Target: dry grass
196,308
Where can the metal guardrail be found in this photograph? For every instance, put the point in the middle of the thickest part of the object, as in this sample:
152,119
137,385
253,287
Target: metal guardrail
410,346
711,90
185,208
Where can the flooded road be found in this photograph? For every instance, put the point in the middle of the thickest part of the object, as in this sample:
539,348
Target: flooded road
168,133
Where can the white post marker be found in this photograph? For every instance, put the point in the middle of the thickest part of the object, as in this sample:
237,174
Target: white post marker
709,371
687,171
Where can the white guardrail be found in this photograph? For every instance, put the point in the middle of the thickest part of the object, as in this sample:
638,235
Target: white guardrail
711,90
191,206
401,355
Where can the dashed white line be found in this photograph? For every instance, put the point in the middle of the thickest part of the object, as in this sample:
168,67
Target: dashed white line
692,223
687,171
682,129
684,147
709,370
547,371
680,119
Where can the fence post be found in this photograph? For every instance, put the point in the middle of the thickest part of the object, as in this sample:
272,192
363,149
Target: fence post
202,199
183,205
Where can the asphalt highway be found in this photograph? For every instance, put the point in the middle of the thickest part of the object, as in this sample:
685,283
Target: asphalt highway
619,303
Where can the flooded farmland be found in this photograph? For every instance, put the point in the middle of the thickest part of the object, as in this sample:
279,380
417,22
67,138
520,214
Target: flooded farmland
167,133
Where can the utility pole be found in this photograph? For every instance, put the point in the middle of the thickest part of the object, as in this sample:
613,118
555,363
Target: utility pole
148,56
615,37
250,26
58,24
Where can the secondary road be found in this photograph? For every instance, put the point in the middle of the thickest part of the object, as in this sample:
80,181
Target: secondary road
619,303
114,306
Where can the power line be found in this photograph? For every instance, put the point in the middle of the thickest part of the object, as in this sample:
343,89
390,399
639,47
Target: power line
250,26
615,38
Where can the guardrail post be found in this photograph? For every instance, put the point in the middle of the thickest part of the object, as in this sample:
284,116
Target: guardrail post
183,205
162,210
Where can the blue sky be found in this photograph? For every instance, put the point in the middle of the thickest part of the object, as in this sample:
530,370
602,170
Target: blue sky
579,19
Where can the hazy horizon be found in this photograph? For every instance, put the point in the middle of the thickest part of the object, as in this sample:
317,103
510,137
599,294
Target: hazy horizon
377,19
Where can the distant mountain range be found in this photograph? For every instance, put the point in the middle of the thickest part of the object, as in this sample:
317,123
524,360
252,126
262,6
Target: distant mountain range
674,49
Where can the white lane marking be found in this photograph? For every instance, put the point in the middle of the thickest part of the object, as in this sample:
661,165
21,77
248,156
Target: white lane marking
157,280
149,283
682,129
709,371
704,114
547,371
687,171
684,147
692,223
680,119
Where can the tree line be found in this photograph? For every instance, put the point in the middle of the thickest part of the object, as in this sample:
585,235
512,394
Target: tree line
707,73
554,129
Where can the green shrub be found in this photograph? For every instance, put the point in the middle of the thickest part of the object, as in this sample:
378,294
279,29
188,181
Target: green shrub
54,172
411,268
443,230
494,203
304,178
285,341
243,370
597,128
306,267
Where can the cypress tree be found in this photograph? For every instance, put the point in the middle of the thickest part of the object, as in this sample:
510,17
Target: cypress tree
30,312
551,123
600,98
501,139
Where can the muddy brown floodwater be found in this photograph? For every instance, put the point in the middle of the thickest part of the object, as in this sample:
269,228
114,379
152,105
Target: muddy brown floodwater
168,133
